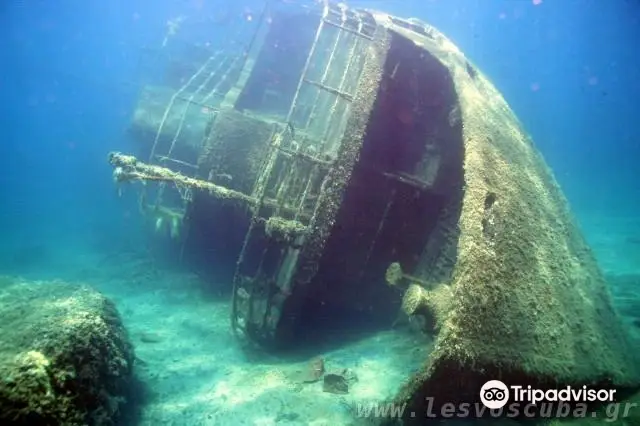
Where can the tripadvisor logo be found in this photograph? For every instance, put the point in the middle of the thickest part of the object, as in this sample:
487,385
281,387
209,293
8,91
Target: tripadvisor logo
495,394
515,401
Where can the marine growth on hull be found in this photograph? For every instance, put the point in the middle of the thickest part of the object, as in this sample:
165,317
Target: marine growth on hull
365,172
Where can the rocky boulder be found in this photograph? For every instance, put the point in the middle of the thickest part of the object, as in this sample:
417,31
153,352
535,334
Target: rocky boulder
65,358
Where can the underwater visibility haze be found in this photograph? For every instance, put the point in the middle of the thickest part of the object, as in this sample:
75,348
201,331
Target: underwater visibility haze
306,212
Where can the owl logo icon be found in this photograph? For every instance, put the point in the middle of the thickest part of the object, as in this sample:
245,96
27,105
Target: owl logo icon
494,394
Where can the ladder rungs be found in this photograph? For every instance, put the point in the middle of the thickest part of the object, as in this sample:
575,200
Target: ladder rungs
331,90
347,29
306,157
193,101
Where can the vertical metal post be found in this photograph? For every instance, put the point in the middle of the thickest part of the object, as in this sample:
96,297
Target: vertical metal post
276,142
383,220
325,13
303,198
323,80
219,68
186,108
170,105
332,110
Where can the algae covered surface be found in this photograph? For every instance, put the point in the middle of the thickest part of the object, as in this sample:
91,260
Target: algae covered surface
529,302
64,355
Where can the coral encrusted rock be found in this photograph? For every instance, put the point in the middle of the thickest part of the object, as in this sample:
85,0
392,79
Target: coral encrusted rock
65,358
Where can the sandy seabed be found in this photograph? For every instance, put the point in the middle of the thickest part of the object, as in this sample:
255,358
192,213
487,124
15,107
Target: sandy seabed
193,372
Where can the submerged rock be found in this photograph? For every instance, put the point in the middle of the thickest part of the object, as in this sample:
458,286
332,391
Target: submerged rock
335,383
65,358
